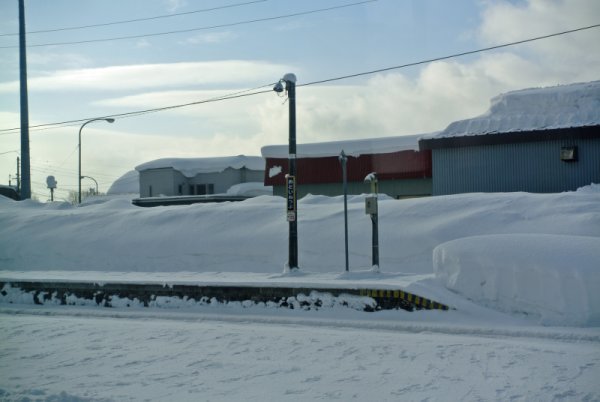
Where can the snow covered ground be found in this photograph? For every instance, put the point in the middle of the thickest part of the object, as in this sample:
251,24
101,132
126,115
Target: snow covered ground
522,271
71,354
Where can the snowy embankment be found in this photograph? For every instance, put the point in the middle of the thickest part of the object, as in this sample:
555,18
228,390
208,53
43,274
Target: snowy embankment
518,270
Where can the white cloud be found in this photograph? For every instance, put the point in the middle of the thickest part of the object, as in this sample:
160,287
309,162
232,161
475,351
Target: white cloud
571,54
442,92
43,58
131,77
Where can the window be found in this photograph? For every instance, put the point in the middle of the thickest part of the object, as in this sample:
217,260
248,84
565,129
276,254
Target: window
568,154
149,191
180,189
202,189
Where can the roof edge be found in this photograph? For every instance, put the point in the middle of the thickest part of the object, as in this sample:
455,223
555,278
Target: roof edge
571,133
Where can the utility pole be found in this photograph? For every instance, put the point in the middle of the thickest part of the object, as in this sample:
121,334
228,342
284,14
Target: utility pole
291,180
25,192
290,86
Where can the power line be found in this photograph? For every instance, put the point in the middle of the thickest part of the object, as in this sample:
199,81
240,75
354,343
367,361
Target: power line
197,29
68,123
248,92
138,19
485,49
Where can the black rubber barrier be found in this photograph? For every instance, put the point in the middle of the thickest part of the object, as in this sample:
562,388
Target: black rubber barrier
146,294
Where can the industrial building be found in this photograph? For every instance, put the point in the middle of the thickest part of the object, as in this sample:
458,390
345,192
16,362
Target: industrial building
170,177
402,170
539,140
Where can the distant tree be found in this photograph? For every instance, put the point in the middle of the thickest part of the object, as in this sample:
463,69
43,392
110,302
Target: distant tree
73,197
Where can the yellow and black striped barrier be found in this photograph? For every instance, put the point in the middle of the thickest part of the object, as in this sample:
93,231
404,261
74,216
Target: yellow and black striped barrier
146,293
387,297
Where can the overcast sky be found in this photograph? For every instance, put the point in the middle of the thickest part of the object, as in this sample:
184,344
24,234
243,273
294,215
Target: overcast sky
225,50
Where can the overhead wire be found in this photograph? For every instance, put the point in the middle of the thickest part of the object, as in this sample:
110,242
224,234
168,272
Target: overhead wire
204,10
227,25
248,92
470,52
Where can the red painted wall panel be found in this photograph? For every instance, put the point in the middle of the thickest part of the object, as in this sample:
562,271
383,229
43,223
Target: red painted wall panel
394,165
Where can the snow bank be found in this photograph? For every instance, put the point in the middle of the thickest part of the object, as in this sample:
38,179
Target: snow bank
533,253
190,167
554,277
251,189
576,105
350,147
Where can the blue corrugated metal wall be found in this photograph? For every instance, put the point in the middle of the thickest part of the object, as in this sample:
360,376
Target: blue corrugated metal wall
532,167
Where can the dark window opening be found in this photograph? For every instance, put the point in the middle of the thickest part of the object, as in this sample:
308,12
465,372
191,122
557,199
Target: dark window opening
149,191
180,189
568,154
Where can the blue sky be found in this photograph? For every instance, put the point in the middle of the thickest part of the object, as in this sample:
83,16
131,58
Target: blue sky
69,82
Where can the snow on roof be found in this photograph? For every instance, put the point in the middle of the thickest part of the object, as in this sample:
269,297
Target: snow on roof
575,105
129,183
350,147
190,167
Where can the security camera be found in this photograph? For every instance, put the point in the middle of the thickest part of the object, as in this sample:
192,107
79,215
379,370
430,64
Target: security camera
278,87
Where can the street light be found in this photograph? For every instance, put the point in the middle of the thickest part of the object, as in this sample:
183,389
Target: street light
110,120
90,177
292,204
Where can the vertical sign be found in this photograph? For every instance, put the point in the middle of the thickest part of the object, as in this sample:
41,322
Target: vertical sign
291,197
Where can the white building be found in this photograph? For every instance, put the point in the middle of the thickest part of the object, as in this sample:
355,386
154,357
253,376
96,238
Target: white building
198,176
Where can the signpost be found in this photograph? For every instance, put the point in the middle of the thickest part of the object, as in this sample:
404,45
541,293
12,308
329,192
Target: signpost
291,197
51,182
343,161
371,208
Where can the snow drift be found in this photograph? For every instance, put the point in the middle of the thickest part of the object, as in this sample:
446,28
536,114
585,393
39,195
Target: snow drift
554,277
515,252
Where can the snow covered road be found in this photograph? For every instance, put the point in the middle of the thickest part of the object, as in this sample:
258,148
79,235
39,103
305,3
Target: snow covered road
91,354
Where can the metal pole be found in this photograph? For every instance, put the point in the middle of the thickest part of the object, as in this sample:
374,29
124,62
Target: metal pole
375,221
79,164
25,166
343,160
109,120
90,177
375,240
290,85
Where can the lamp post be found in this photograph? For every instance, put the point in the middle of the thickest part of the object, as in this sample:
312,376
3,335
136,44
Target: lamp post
110,120
90,177
292,205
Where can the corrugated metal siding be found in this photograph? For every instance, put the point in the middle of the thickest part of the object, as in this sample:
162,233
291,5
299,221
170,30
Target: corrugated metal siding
533,167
